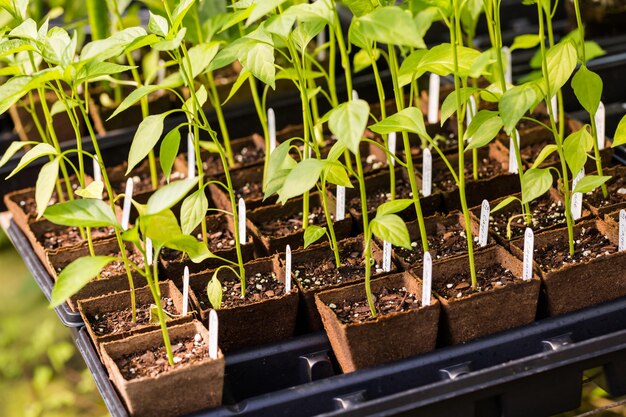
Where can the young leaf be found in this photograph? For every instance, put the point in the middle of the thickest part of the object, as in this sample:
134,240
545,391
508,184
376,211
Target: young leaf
302,178
160,227
214,291
43,149
76,275
562,59
448,108
180,11
587,87
243,76
45,185
147,135
620,133
483,128
158,25
154,315
590,182
409,119
502,204
391,227
13,148
394,206
93,190
168,152
545,152
312,234
575,149
535,183
82,213
336,174
261,8
193,211
167,197
514,103
196,250
201,56
348,122
528,41
390,25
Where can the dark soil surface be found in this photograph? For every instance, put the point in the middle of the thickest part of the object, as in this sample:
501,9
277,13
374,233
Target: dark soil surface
212,163
389,300
448,240
287,225
589,244
529,154
616,188
71,237
487,168
116,269
378,197
121,321
142,181
218,240
546,213
29,205
250,191
488,278
152,363
259,287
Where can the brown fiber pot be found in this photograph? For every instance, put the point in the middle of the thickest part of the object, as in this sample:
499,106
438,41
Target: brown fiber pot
120,301
481,313
254,323
579,285
177,392
268,244
371,343
618,174
309,318
242,179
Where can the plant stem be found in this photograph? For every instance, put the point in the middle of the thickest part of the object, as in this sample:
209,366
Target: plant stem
153,283
330,225
367,236
217,106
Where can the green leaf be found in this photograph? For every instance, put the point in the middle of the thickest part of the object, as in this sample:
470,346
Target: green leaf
93,190
280,161
535,183
180,11
587,87
502,204
363,60
166,197
620,133
13,148
483,128
393,206
171,44
390,25
359,7
214,291
135,95
348,122
93,70
160,227
193,211
154,315
545,152
112,46
76,275
196,250
243,76
575,148
201,56
590,182
169,151
408,120
312,234
440,60
561,59
45,185
158,25
514,104
262,8
336,174
146,137
528,41
82,213
391,228
593,50
258,58
448,108
42,149
410,66
302,178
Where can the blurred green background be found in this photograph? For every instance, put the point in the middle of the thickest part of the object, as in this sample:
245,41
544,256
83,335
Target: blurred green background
42,373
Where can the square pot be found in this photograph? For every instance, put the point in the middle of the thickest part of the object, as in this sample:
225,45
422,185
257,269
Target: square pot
384,339
482,313
247,184
185,389
253,323
121,301
582,284
616,187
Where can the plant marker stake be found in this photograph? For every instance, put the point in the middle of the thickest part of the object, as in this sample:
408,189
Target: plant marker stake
149,251
288,269
391,141
577,198
213,327
622,230
427,173
340,201
191,157
271,127
484,224
433,98
555,108
355,95
185,290
427,279
600,118
471,110
386,256
97,172
128,197
508,74
321,40
242,221
160,73
513,150
529,247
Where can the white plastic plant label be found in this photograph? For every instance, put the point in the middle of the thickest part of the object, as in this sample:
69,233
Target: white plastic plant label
577,198
271,127
391,141
434,82
427,279
321,40
529,247
191,157
185,291
340,201
149,251
483,231
386,256
288,269
600,119
97,172
471,110
160,73
622,230
554,103
513,151
508,73
427,173
213,332
355,95
128,197
241,212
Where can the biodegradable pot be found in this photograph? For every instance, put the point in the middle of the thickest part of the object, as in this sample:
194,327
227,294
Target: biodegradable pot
247,183
309,318
597,204
253,323
268,243
433,224
582,284
119,301
371,343
174,262
480,313
179,391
